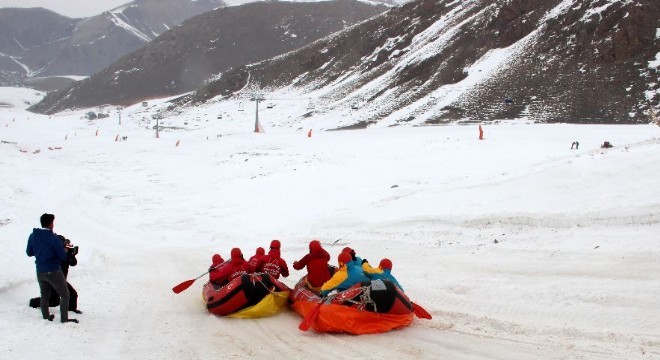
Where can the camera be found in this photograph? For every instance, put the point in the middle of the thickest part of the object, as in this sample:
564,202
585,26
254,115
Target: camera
72,249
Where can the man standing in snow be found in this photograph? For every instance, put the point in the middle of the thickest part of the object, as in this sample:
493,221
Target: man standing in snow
71,252
49,252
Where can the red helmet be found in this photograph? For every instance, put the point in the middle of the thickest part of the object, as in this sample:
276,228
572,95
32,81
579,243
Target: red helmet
350,251
344,258
385,264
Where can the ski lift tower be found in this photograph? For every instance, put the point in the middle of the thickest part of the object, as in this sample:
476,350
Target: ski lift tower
119,113
256,97
157,117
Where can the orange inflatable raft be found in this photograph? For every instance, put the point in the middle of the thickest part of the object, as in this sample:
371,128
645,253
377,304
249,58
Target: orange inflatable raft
367,308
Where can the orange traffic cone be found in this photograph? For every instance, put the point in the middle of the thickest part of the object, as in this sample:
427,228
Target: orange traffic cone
309,133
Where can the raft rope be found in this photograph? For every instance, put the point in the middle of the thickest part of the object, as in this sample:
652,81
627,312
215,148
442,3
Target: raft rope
260,281
365,299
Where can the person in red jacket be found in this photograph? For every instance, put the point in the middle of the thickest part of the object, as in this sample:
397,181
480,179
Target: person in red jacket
275,244
316,262
273,264
256,259
231,269
216,261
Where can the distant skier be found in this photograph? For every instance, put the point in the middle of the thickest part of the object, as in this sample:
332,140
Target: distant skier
575,145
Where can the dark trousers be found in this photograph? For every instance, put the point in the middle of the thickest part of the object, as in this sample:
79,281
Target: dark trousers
55,299
49,281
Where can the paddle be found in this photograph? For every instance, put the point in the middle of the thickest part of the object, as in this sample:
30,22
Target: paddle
309,319
420,312
186,284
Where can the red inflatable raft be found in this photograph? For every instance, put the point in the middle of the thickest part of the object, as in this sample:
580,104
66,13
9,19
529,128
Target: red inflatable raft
370,307
247,296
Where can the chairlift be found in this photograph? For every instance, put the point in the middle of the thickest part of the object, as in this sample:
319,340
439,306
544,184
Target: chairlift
270,105
240,106
310,106
355,106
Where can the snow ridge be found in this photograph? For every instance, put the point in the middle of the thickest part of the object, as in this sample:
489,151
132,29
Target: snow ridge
118,21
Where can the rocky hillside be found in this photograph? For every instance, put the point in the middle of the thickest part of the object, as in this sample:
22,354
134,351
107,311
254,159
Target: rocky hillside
215,42
24,29
436,61
38,42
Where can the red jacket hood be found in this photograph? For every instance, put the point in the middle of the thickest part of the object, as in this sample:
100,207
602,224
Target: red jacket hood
274,253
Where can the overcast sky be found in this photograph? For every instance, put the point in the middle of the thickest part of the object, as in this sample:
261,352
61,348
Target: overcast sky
71,8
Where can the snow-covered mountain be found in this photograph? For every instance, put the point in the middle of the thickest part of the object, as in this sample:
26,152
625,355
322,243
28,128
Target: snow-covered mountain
434,61
437,61
25,29
38,42
215,42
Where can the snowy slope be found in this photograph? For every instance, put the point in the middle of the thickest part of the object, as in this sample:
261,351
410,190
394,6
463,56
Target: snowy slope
520,247
577,61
